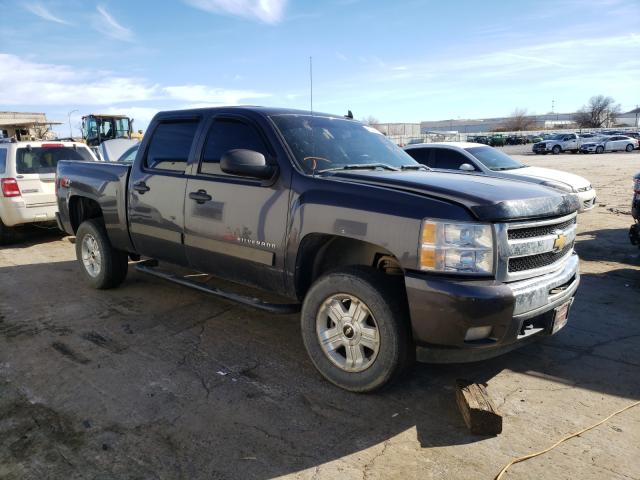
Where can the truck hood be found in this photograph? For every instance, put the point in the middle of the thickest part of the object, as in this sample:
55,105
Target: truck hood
488,198
574,181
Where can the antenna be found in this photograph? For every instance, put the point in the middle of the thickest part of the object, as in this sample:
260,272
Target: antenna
311,83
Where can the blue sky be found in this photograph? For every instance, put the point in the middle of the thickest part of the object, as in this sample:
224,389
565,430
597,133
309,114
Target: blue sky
396,61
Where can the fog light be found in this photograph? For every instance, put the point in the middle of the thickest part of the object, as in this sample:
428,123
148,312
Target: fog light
477,333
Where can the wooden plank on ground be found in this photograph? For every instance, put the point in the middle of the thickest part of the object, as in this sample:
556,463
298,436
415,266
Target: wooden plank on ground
477,408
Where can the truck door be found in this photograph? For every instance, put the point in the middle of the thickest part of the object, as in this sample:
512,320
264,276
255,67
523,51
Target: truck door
156,191
235,226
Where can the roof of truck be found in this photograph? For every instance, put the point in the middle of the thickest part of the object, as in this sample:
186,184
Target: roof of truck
267,111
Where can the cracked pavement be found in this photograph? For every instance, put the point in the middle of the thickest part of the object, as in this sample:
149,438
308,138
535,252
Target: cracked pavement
155,381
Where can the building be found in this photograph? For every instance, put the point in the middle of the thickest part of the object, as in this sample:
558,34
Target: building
26,126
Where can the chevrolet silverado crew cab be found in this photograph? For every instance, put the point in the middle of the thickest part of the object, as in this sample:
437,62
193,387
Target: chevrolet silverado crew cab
387,260
27,174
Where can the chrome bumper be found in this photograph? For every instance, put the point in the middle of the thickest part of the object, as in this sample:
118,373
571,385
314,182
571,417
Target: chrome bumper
538,295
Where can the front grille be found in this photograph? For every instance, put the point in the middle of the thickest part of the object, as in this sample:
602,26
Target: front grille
541,231
540,260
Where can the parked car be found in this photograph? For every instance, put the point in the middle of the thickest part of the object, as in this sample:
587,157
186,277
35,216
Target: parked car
464,157
481,139
534,138
558,143
634,231
516,140
610,144
498,140
386,259
27,171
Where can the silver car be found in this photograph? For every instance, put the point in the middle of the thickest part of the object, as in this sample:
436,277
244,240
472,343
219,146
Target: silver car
610,144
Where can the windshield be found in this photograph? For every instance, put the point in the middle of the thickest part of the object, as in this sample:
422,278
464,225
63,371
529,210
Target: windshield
321,143
45,159
494,159
130,155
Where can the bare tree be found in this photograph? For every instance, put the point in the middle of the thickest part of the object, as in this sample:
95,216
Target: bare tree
518,121
600,111
370,120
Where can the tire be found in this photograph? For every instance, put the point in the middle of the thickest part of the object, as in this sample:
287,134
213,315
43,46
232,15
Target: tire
379,357
556,149
7,234
600,149
102,265
629,148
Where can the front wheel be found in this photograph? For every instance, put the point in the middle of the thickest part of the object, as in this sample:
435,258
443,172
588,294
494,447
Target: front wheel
556,149
629,148
355,330
102,265
599,149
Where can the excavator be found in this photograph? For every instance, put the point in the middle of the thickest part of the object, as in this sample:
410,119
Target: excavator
109,136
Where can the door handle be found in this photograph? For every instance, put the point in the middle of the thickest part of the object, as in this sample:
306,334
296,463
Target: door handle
200,196
141,187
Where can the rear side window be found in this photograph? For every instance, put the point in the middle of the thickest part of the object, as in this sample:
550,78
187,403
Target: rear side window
225,135
449,159
3,160
170,145
421,155
45,159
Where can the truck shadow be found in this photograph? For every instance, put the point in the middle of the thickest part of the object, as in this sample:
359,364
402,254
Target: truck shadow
610,245
178,380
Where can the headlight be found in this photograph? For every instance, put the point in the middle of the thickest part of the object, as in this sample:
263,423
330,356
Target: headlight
558,186
465,248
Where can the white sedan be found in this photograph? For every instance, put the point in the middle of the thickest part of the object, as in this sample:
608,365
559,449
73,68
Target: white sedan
610,144
479,159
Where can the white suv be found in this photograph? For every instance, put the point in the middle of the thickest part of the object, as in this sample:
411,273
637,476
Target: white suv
27,181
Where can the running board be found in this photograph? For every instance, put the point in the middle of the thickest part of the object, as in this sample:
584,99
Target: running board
279,308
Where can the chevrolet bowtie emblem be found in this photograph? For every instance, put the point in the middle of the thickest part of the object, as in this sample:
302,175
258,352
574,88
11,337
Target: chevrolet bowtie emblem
560,241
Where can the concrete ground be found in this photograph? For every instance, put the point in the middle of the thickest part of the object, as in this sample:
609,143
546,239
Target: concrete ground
155,381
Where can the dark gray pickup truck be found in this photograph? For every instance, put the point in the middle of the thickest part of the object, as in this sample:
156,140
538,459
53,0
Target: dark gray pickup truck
387,260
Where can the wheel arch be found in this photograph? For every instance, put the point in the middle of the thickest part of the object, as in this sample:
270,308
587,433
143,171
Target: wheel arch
83,208
320,253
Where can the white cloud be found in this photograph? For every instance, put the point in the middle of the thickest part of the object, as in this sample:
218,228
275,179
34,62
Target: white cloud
105,23
23,82
267,11
40,10
205,96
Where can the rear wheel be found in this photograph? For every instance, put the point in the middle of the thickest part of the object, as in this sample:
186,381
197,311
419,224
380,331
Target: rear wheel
556,149
629,147
355,330
102,265
599,149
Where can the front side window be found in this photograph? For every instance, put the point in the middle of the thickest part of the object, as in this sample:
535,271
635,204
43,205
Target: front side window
45,159
323,143
170,145
225,135
448,159
3,160
494,159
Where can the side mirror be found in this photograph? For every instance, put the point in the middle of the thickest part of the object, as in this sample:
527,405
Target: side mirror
246,163
466,167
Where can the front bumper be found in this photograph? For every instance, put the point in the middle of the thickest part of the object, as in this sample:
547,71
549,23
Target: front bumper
540,148
588,148
443,310
587,200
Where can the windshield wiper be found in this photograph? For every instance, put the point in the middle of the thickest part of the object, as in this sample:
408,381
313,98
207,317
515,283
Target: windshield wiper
415,167
359,166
